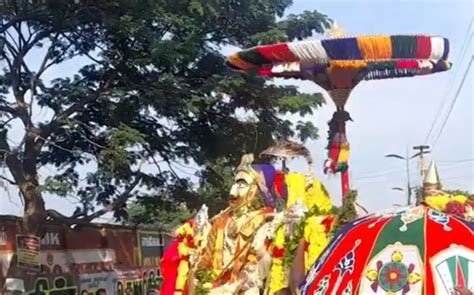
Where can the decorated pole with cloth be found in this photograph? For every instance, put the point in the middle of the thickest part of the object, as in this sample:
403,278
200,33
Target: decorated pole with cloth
338,145
338,65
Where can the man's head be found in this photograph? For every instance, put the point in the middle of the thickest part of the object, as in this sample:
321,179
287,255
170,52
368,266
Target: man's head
250,183
244,189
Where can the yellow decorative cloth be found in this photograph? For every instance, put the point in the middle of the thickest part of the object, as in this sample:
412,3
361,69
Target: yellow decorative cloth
342,73
296,184
356,64
315,195
375,47
343,153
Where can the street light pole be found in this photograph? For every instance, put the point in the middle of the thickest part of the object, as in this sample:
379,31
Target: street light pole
407,159
423,149
408,180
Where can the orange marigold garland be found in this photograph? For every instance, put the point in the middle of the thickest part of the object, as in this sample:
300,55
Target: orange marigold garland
186,245
316,237
278,278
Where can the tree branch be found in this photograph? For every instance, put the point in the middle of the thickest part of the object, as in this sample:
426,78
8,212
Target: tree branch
12,49
11,159
15,71
6,122
21,38
43,67
13,41
34,78
30,33
7,26
166,160
19,58
54,61
117,203
84,52
57,121
9,110
8,180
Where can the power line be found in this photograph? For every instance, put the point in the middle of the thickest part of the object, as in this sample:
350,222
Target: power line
462,53
451,107
443,101
393,169
468,176
457,161
385,173
457,164
379,174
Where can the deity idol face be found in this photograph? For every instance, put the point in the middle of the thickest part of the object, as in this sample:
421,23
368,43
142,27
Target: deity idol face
243,190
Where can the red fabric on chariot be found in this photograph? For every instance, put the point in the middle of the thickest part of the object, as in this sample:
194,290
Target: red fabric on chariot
169,269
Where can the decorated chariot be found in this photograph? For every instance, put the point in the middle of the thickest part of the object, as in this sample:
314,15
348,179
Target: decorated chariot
275,238
425,249
276,235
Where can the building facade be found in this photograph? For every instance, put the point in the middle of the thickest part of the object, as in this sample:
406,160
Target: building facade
87,260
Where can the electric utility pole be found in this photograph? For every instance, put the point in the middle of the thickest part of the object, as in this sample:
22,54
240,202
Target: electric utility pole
422,150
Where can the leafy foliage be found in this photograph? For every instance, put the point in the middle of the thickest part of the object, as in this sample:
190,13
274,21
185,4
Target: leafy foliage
347,212
151,98
202,276
165,216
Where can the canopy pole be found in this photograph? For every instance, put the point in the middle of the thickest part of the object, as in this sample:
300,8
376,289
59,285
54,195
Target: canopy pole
344,173
338,143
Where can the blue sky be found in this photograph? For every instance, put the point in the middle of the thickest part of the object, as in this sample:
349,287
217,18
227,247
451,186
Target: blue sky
389,115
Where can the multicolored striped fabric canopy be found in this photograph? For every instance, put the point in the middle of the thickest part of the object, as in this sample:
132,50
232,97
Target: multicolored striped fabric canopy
341,63
414,250
338,65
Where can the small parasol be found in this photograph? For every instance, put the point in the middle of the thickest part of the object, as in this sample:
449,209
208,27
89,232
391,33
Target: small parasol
338,65
411,251
288,149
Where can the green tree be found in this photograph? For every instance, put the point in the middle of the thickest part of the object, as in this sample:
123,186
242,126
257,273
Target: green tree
152,92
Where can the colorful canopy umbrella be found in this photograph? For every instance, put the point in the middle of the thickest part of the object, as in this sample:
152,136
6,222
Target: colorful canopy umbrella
414,250
338,65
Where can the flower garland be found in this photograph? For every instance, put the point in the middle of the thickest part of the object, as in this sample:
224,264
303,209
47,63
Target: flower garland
458,205
316,232
315,229
278,278
186,244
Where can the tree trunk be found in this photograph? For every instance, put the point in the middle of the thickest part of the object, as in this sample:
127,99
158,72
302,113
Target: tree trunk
25,175
34,212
